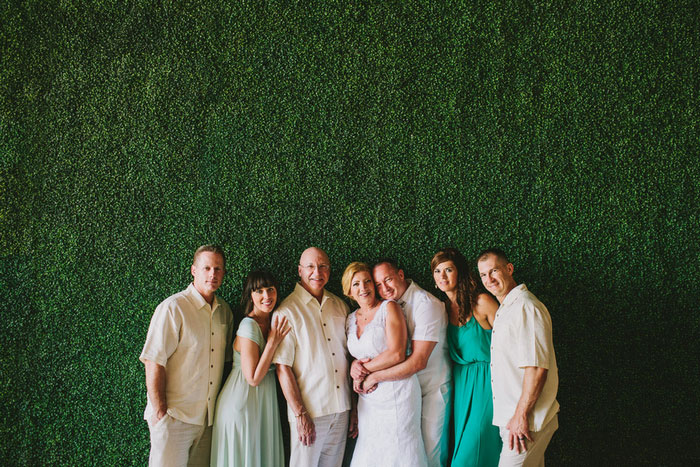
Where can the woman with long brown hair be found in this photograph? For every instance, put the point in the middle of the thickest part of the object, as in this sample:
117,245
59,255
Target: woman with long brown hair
247,430
471,313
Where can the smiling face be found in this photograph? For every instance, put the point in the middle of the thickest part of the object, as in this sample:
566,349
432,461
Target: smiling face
264,299
314,271
362,288
445,275
497,276
208,272
389,281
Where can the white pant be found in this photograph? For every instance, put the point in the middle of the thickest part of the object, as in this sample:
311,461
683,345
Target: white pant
534,456
329,446
435,430
178,444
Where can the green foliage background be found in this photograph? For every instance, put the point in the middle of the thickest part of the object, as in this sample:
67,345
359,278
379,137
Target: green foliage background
132,132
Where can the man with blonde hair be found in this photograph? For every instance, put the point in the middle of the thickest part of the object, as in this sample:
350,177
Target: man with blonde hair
188,340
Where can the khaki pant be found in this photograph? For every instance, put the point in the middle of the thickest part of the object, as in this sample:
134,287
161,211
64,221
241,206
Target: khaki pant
178,444
329,446
534,456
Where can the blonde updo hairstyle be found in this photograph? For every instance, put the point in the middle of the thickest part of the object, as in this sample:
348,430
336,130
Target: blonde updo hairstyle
350,271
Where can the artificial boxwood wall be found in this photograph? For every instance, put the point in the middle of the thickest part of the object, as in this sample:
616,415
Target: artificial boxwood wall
132,132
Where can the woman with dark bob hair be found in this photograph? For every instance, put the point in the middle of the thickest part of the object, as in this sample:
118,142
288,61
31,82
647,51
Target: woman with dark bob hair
471,313
247,429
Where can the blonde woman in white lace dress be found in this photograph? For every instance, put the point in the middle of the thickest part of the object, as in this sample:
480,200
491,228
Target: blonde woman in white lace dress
388,413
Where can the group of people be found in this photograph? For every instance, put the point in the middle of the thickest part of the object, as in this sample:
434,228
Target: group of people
466,380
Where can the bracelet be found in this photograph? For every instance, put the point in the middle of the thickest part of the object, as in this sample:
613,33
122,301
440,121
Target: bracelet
303,412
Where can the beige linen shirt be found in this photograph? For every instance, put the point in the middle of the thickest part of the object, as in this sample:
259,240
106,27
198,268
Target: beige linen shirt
316,350
426,320
521,337
191,339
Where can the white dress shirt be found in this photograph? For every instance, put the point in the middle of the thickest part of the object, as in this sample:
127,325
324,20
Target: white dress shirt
522,337
426,320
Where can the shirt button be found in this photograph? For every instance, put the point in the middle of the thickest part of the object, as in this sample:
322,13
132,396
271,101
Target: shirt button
324,324
329,339
333,353
212,350
212,366
211,382
212,333
337,387
336,371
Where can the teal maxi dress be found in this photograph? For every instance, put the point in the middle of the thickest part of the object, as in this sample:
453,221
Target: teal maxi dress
476,440
247,429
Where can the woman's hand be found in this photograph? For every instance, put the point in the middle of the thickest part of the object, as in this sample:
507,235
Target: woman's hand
358,370
357,386
369,384
279,329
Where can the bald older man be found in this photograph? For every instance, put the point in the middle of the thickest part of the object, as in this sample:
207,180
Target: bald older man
312,366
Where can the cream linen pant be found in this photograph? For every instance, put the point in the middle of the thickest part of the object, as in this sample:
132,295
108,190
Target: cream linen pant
435,430
534,456
178,444
329,447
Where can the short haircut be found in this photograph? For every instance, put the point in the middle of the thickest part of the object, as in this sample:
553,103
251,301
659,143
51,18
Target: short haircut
352,269
497,252
211,249
390,261
257,280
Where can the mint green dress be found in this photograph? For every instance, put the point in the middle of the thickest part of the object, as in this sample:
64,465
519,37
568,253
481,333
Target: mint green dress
247,429
476,440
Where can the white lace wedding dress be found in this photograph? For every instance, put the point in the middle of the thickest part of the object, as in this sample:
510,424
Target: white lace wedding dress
389,420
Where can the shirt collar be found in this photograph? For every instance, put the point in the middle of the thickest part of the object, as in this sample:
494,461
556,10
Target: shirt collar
514,294
306,296
197,299
408,293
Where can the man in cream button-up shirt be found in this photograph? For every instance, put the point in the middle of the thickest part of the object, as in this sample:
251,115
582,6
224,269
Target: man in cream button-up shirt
312,366
188,340
523,365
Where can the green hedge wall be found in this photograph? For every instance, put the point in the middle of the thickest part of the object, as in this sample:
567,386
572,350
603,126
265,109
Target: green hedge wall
132,132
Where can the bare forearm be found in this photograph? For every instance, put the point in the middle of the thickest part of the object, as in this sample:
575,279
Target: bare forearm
155,386
263,365
533,382
402,370
290,389
414,363
386,359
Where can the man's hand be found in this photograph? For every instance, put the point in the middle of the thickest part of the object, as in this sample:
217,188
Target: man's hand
358,370
156,416
518,432
306,430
